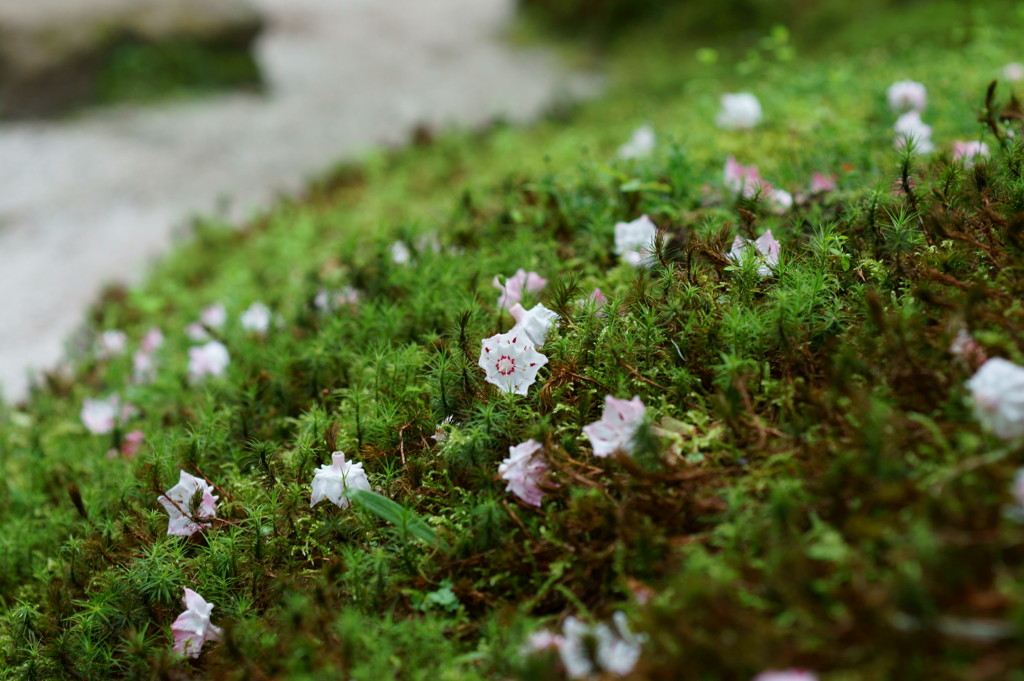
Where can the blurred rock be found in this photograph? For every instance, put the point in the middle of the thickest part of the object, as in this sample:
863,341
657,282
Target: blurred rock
51,51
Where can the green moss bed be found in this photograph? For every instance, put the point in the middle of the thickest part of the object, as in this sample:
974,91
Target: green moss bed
810,486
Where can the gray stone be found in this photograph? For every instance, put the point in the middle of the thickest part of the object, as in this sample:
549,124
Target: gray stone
52,50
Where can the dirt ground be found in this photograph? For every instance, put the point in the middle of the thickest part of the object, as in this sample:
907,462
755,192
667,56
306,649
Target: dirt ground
95,198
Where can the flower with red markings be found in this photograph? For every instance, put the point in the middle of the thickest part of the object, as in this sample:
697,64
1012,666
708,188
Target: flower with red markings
510,361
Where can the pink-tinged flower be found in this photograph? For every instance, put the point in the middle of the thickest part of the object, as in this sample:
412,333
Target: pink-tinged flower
256,318
152,341
535,322
400,253
634,241
969,152
193,628
911,130
640,144
540,641
130,445
111,344
143,367
328,301
597,299
822,183
524,469
997,390
177,502
1018,491
1013,72
617,427
764,247
786,675
101,416
743,180
331,480
512,290
740,111
779,200
510,361
214,316
906,95
210,359
967,350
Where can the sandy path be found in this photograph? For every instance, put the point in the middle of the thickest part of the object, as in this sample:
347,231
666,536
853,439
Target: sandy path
94,199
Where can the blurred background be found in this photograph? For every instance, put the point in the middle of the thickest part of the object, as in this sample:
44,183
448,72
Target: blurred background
121,120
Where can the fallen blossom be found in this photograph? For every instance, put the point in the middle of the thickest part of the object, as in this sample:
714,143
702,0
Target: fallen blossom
539,641
617,427
969,153
906,95
634,241
177,502
535,322
101,416
524,469
214,316
441,430
910,129
256,318
822,183
332,480
130,444
786,675
596,300
779,200
585,650
743,180
997,391
328,301
510,361
967,350
143,367
152,341
640,144
400,253
210,359
512,289
1013,72
111,344
740,111
1018,492
765,246
192,628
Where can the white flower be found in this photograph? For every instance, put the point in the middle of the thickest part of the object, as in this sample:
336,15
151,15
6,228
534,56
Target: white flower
177,500
214,316
535,323
441,429
143,367
193,628
969,152
786,675
910,127
400,253
510,361
740,111
634,241
101,416
111,344
152,341
997,390
907,95
256,318
640,144
331,480
539,641
780,200
617,427
1013,72
207,360
765,246
616,651
524,469
1018,491
328,301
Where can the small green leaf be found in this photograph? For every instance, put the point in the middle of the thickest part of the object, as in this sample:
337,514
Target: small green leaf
396,514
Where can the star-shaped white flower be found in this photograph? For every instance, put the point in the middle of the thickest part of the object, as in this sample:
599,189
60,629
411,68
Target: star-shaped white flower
617,427
176,502
906,95
510,361
997,390
634,241
765,247
331,480
535,322
193,628
740,111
